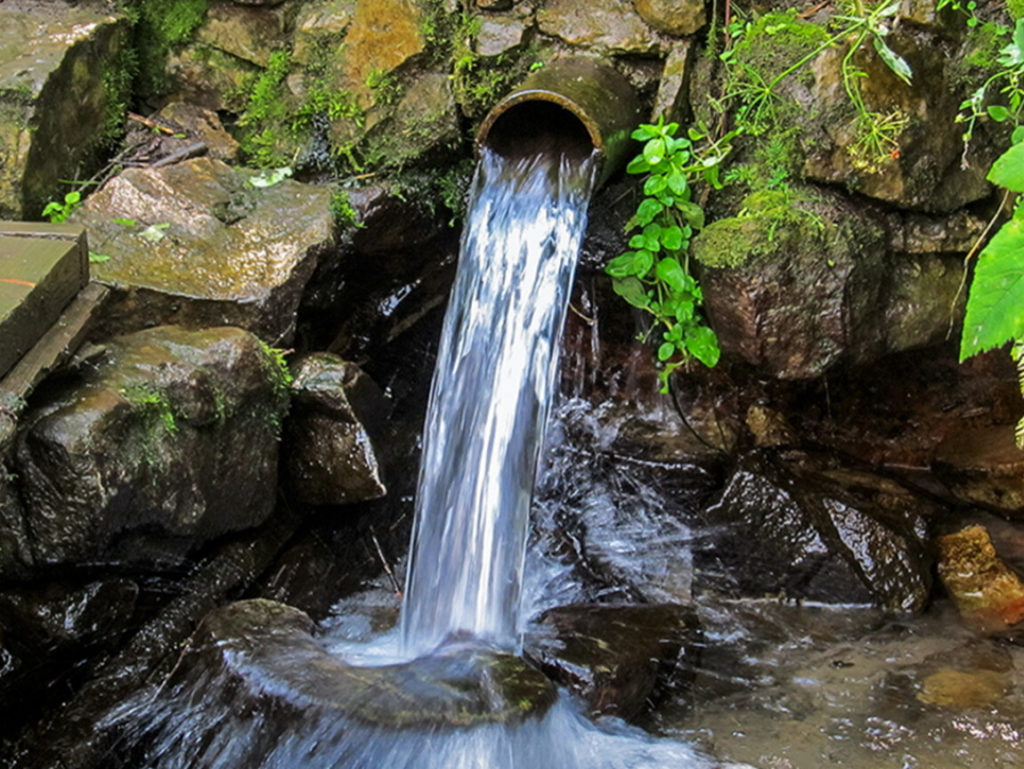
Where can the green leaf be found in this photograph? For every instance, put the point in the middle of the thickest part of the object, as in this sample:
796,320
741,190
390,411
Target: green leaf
125,222
638,165
654,151
672,238
995,304
692,213
645,213
270,177
702,344
998,113
1008,170
666,351
655,184
893,60
632,290
155,232
671,272
643,260
621,266
677,182
652,237
95,258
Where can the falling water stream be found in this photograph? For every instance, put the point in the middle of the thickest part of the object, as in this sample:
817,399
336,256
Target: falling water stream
490,398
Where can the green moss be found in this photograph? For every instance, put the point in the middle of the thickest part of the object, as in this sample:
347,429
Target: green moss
761,64
344,215
162,27
1015,8
768,221
265,114
980,59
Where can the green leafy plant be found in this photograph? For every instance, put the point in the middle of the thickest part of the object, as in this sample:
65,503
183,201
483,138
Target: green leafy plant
655,275
1007,81
753,95
59,211
995,302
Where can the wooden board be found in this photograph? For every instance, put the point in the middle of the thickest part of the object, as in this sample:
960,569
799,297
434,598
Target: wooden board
42,268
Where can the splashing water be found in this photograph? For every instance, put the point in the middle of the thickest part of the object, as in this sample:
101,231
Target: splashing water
490,398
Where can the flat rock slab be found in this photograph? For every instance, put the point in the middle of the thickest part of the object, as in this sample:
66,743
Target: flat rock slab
56,96
42,267
202,243
266,654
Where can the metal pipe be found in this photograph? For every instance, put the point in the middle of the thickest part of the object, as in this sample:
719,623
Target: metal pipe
585,99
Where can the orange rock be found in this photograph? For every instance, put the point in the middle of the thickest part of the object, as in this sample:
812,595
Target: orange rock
986,591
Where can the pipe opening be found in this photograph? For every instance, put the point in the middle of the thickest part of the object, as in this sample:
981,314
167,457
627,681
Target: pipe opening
531,127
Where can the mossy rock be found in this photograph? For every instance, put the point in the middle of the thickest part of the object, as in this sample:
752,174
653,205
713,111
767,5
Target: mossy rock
156,443
793,281
63,87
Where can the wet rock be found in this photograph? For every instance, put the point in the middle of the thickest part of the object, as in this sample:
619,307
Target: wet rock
248,33
927,290
384,35
956,689
499,34
674,85
210,78
983,466
15,552
320,25
199,243
988,594
794,281
672,18
425,123
785,526
160,441
58,102
494,5
331,458
606,26
62,617
614,657
924,169
200,124
769,427
921,234
261,658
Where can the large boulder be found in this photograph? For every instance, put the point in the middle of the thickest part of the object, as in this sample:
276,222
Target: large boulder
785,526
202,243
162,440
62,89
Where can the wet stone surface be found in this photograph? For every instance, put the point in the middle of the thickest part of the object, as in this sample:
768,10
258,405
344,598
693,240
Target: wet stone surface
263,647
329,439
786,527
616,658
200,242
157,442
